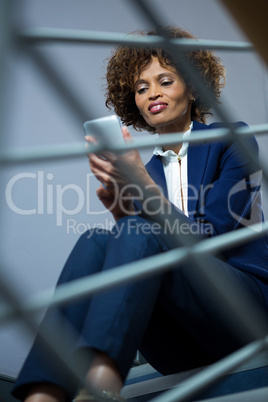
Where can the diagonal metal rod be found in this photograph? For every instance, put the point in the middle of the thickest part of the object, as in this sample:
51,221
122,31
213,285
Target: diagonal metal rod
57,339
253,161
184,66
61,87
51,35
96,283
73,150
51,337
191,387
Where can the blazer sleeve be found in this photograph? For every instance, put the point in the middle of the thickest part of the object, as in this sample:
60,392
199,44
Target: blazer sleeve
229,196
233,199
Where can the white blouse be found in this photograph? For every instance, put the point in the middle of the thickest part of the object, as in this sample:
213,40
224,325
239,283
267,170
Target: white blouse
175,169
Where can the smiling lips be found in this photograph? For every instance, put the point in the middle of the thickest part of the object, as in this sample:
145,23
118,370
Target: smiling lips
156,107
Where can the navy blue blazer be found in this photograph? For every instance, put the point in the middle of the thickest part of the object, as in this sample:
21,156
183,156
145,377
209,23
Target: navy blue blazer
223,195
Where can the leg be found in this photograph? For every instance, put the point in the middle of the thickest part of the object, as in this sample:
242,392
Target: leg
168,346
104,375
103,322
117,319
45,393
191,326
85,259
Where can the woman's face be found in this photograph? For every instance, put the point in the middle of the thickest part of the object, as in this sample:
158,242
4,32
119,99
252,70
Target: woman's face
162,98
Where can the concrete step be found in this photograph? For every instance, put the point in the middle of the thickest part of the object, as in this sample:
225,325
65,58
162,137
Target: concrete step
246,384
144,383
256,395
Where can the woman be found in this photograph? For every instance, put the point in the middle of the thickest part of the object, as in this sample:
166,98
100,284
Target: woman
174,319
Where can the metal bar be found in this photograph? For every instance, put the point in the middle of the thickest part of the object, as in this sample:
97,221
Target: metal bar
52,338
185,249
94,284
56,338
5,45
184,66
73,150
213,373
60,86
50,35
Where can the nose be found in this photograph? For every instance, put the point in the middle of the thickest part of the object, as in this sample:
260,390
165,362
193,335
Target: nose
154,92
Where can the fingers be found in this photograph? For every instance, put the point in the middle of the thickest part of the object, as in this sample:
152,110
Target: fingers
101,167
104,193
106,166
89,138
105,155
104,172
126,134
98,164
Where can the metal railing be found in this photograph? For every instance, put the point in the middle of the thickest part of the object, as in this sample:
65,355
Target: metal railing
76,290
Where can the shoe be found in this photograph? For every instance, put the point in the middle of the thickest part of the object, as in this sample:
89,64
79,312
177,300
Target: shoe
84,396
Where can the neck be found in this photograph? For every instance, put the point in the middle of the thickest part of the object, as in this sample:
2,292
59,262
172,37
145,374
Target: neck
174,147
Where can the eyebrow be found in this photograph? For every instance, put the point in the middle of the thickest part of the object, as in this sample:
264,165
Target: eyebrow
142,81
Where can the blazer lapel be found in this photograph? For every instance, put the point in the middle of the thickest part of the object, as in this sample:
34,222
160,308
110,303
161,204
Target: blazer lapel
156,171
197,161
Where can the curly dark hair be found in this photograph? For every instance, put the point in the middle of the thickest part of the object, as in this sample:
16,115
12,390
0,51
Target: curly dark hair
128,62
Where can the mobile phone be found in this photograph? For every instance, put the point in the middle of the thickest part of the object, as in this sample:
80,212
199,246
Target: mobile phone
106,130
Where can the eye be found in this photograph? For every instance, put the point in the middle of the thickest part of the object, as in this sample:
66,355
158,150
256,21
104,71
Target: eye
141,90
166,83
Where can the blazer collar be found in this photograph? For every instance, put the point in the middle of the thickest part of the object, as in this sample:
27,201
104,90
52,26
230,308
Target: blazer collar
197,161
156,171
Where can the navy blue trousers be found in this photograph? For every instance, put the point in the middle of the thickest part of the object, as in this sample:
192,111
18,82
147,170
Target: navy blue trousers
173,318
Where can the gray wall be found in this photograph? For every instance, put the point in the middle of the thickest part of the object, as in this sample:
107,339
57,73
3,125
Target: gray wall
35,246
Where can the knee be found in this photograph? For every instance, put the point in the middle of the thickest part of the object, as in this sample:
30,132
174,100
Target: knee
97,234
87,256
135,230
135,225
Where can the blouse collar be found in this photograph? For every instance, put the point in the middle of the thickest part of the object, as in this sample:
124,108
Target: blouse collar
170,154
